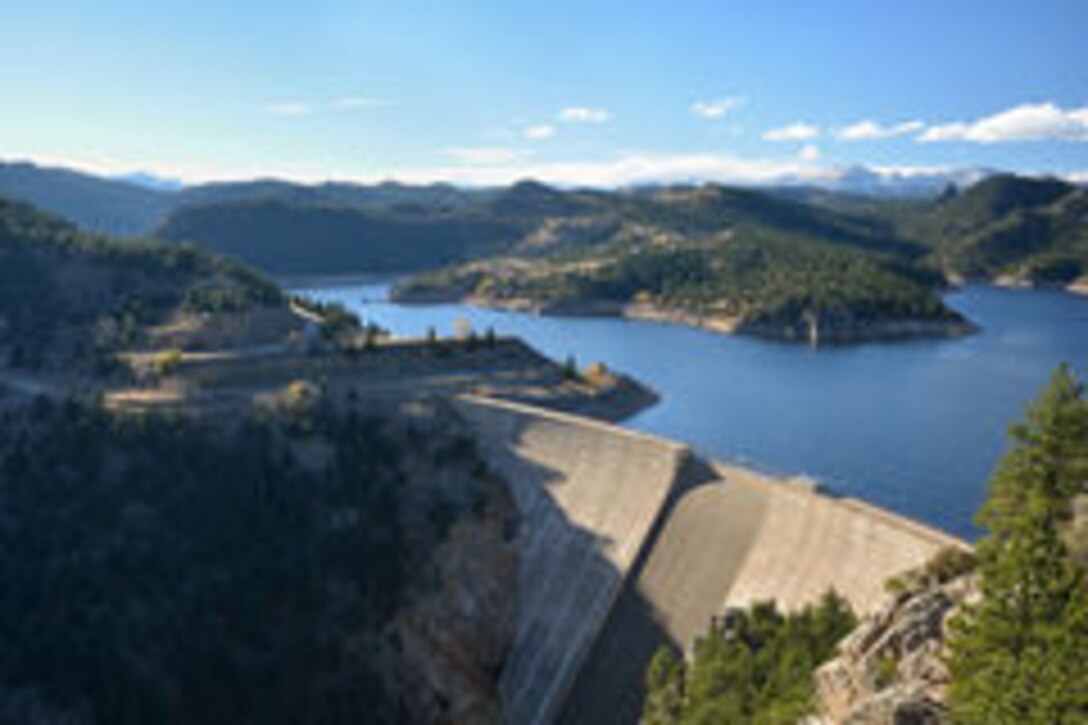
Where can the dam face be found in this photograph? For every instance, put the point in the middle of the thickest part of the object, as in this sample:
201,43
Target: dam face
629,541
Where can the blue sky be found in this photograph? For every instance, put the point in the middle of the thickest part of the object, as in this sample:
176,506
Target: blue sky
583,92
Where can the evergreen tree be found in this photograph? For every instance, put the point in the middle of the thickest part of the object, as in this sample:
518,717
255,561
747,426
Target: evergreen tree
664,689
1018,654
755,666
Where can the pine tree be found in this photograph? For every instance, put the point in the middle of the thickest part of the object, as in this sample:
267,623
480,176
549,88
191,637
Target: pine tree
664,688
1018,655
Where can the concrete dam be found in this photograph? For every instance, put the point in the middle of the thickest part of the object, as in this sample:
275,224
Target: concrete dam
629,541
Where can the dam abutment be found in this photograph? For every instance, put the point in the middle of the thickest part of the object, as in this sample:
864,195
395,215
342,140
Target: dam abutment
629,541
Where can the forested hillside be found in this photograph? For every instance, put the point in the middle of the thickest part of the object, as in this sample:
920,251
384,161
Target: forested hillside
70,299
287,238
285,568
726,258
1035,230
96,204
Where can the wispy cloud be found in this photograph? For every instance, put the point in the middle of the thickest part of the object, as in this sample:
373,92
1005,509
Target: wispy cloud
794,132
810,152
539,133
869,130
486,156
581,114
346,103
717,107
1027,122
288,109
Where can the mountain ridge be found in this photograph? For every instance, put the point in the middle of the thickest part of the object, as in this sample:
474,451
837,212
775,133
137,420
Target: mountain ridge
135,203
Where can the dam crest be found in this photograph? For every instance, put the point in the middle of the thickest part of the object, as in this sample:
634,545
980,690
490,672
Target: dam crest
628,541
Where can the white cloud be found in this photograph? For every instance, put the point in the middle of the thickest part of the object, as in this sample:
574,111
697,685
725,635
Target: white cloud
288,109
635,168
717,107
1027,122
810,152
355,102
538,133
486,156
871,130
474,167
793,132
579,114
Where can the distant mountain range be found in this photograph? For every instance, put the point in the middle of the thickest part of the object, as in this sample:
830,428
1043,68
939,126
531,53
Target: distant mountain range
136,203
864,255
971,222
894,182
150,181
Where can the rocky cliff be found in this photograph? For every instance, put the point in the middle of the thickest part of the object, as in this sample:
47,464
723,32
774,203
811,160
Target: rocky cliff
891,669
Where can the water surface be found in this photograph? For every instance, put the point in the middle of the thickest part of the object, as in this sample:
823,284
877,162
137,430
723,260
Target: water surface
913,426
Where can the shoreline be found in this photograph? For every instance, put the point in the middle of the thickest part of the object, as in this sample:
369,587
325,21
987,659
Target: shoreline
883,331
1077,287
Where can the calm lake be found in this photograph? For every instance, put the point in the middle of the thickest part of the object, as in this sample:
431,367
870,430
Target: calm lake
913,426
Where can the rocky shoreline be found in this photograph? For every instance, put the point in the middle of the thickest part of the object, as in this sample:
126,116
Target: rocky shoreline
804,332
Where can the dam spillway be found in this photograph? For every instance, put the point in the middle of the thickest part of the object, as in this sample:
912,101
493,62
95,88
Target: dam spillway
628,541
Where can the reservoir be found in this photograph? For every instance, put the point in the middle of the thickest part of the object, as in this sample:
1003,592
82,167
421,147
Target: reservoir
913,426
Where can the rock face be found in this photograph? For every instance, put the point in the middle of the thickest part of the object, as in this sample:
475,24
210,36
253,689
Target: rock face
455,640
890,669
456,625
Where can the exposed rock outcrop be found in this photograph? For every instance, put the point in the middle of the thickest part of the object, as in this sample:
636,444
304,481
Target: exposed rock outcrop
456,638
456,625
891,668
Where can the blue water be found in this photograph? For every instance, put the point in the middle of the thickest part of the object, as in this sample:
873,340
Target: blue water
913,426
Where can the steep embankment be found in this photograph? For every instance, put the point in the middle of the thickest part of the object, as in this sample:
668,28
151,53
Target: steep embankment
606,512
